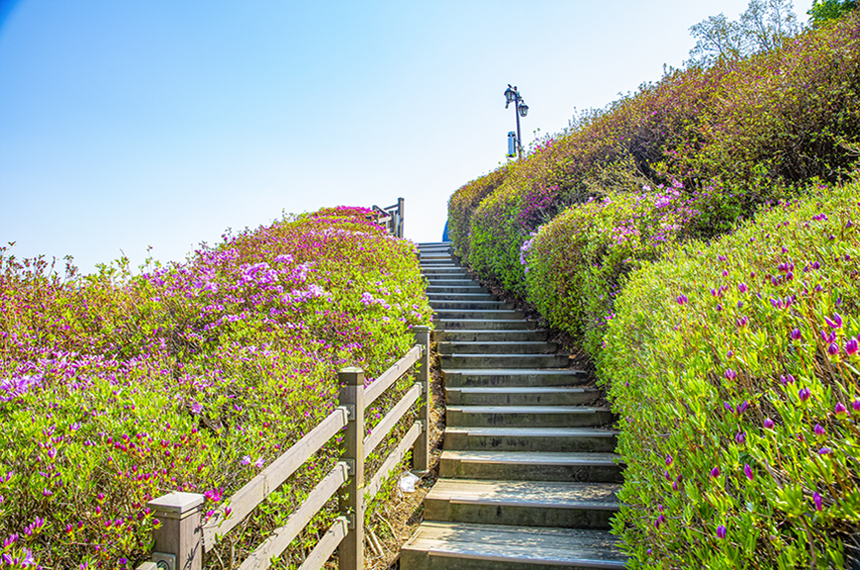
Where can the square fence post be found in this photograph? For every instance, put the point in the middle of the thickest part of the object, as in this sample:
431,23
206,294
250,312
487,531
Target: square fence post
421,451
179,539
351,495
400,204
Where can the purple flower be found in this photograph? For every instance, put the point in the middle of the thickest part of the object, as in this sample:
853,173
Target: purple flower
682,299
721,531
743,321
795,334
730,374
742,287
729,408
835,323
851,347
741,437
669,460
715,472
819,430
825,451
816,498
804,394
743,407
840,410
856,405
833,349
768,423
748,471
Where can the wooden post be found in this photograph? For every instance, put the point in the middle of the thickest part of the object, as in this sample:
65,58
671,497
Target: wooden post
421,451
351,495
400,202
179,539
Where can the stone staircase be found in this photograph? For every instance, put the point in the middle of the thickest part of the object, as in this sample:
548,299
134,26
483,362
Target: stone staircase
528,476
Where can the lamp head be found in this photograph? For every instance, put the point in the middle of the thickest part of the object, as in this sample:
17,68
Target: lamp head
524,109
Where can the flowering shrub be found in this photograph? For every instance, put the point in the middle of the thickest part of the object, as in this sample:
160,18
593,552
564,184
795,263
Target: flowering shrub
463,203
115,389
576,264
737,134
734,369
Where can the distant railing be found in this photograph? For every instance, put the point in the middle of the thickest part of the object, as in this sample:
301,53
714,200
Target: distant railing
391,217
183,538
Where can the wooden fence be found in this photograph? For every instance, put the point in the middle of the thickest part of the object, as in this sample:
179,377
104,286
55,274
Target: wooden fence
183,537
391,217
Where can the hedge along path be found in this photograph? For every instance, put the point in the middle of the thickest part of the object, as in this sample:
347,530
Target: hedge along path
528,475
182,538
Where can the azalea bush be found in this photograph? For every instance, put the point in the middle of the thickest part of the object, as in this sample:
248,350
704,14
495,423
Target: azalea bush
737,134
576,264
116,388
734,368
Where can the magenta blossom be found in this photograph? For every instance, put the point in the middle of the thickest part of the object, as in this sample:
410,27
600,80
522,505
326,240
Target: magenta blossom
817,499
768,423
804,394
721,531
851,347
748,471
836,322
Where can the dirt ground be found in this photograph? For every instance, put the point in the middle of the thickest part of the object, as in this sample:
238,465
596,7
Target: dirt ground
405,511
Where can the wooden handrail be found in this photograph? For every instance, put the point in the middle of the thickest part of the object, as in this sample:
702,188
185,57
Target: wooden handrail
246,499
182,538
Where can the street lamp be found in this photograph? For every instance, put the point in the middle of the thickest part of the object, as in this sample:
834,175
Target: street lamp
520,110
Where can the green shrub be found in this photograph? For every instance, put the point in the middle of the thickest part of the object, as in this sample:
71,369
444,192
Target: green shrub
734,369
116,388
462,205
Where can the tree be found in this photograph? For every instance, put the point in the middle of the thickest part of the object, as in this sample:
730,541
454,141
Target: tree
825,10
764,25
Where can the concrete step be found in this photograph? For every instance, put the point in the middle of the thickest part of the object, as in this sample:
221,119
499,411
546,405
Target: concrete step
470,287
527,503
528,416
504,360
521,396
433,281
482,324
530,439
490,336
514,377
531,466
493,305
457,270
481,314
497,347
438,262
459,546
461,297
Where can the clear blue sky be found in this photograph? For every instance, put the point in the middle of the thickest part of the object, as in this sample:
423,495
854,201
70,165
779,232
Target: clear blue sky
134,123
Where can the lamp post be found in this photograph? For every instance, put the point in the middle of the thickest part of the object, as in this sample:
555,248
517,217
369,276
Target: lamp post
520,110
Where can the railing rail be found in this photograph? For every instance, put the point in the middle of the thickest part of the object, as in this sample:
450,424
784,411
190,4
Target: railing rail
183,538
392,217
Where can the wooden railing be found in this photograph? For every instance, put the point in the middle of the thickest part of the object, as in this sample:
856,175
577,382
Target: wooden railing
183,538
391,217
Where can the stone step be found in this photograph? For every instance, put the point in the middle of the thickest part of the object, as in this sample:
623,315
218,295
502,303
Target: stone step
497,347
438,262
460,546
481,314
514,377
521,396
461,297
471,305
504,360
531,466
528,416
530,439
446,282
490,336
470,287
481,324
527,503
433,270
